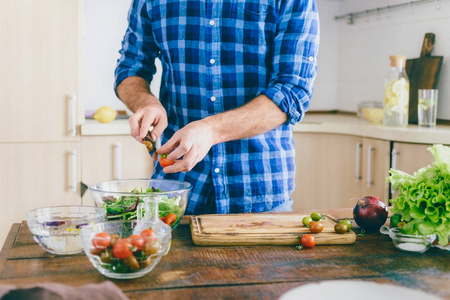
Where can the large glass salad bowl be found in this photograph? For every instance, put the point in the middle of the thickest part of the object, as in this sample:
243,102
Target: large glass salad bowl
121,198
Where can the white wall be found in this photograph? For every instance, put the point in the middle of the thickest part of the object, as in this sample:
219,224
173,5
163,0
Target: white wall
364,48
104,25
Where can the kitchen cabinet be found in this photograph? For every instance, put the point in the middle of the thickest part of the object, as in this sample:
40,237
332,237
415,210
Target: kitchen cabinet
39,59
36,175
333,170
113,157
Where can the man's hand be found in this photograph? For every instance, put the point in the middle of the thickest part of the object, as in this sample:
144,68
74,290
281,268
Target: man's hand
134,91
191,142
152,114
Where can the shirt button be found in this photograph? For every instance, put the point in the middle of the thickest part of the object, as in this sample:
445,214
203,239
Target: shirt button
212,61
216,170
211,23
311,58
213,98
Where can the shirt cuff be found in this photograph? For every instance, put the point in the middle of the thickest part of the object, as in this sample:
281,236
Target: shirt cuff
282,97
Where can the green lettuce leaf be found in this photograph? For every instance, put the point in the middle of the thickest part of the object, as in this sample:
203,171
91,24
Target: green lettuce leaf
424,197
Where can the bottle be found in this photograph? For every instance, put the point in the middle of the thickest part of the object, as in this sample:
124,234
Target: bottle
396,93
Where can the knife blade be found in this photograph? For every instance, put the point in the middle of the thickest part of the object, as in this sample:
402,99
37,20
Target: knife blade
150,143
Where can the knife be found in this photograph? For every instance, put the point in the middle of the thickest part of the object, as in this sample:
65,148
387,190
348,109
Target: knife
151,145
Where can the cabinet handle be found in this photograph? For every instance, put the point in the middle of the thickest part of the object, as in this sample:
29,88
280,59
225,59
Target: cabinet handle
369,165
394,154
73,115
118,160
358,161
73,171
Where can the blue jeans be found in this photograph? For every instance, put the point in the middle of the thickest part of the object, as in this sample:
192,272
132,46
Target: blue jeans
285,206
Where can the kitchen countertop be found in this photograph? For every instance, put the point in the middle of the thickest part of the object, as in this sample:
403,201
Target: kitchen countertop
236,272
347,124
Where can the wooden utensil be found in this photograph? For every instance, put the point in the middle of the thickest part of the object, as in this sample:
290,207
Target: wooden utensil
261,229
423,73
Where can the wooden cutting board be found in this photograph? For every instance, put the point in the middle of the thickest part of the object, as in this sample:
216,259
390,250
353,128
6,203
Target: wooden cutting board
261,229
423,73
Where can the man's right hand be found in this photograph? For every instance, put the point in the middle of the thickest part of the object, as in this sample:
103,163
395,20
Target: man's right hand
152,114
148,111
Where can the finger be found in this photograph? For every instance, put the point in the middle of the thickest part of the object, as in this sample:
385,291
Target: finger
146,123
169,146
134,122
184,165
160,125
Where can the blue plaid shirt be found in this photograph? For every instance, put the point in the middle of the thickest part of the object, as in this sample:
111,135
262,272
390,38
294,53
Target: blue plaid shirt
216,56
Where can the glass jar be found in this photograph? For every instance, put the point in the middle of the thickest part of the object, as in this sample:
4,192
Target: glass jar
396,93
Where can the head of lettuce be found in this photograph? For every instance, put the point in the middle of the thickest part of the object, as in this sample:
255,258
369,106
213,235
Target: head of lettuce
424,197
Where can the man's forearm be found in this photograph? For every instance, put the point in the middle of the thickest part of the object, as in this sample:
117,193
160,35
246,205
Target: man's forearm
258,116
135,92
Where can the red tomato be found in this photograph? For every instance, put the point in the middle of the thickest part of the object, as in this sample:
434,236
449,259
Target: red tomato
137,241
121,249
163,219
170,219
164,162
315,227
101,240
308,241
148,234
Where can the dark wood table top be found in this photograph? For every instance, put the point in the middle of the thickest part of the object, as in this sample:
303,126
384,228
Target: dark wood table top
235,272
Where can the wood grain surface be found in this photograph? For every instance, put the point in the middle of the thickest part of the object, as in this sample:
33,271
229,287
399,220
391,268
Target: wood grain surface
261,229
236,272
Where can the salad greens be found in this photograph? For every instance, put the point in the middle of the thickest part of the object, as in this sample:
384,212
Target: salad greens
125,206
424,197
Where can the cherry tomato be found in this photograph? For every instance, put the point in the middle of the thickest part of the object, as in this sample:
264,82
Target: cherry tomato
306,220
308,241
315,227
148,234
101,240
340,228
315,216
136,241
131,262
121,249
164,162
163,219
170,219
347,223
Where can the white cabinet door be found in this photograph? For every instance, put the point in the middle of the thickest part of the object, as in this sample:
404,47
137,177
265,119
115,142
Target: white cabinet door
333,171
113,157
36,175
39,60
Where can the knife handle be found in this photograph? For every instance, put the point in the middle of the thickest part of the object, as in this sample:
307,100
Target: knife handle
428,44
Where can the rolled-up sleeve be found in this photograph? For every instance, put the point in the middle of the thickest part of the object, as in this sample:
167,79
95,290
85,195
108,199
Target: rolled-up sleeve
294,61
138,53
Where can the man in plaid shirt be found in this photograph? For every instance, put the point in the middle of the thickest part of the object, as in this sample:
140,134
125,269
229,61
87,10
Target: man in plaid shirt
237,74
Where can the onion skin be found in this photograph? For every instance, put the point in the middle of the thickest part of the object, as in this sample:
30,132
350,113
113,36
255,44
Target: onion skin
370,213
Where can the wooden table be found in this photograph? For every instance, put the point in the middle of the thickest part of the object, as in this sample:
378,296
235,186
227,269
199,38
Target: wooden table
235,272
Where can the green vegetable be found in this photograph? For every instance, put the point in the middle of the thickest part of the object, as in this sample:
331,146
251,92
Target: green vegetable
125,206
395,220
424,197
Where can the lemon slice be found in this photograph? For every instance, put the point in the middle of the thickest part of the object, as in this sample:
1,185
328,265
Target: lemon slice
105,114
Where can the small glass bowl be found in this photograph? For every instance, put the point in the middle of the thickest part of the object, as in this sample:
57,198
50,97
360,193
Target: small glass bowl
371,111
409,243
57,228
147,250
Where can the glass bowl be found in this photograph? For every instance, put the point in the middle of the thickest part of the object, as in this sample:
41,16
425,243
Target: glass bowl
121,197
126,249
371,111
409,243
57,228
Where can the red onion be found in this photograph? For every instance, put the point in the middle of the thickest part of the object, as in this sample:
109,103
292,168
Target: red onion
370,213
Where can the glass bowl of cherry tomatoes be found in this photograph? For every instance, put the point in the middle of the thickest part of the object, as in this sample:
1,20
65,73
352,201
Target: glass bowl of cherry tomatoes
126,249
